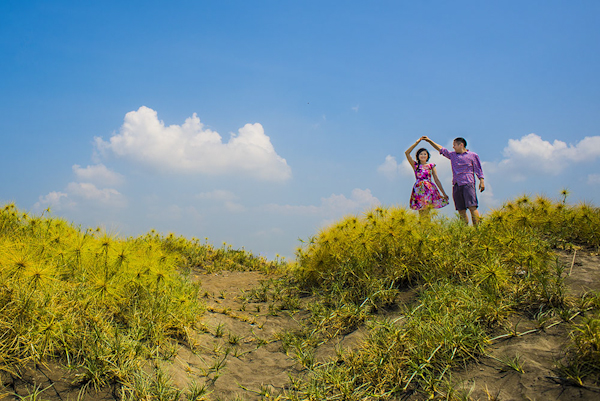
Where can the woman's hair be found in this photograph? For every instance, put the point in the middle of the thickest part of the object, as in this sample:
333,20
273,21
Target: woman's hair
419,152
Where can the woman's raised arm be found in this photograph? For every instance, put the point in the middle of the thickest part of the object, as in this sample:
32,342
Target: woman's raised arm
408,156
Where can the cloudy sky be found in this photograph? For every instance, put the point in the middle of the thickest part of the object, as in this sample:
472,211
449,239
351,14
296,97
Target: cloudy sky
259,122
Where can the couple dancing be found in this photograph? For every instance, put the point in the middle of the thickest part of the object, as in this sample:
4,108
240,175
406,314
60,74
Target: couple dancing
465,166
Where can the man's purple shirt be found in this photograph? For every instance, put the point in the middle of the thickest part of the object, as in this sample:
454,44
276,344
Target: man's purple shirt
465,166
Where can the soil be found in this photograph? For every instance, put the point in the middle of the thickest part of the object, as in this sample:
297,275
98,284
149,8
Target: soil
238,355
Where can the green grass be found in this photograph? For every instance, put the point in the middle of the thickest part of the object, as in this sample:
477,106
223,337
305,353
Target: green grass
107,306
100,304
196,254
512,363
469,279
583,357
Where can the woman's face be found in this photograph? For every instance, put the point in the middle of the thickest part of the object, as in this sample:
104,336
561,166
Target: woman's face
423,156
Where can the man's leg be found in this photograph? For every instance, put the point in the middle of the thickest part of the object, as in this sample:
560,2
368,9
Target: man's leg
459,202
474,214
470,199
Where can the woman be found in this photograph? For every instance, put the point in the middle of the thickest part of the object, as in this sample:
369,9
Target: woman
425,194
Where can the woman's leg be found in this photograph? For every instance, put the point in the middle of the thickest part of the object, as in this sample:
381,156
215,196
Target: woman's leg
425,213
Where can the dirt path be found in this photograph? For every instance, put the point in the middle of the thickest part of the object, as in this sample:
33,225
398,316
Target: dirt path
239,355
239,303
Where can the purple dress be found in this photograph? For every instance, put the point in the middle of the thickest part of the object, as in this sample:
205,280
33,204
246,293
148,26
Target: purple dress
425,193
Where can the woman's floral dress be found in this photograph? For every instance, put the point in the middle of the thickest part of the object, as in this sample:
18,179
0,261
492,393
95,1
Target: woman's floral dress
425,193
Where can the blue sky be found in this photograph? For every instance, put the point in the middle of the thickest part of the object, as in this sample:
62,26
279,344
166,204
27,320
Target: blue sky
257,123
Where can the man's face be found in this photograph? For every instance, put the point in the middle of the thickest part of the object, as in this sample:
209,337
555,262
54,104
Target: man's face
458,147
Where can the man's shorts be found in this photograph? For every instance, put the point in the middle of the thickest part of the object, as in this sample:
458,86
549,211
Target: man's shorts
465,196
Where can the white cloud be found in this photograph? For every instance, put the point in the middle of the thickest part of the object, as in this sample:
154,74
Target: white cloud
594,179
192,148
234,207
391,169
89,192
217,194
54,200
225,197
487,197
532,154
333,206
78,193
99,174
358,199
355,108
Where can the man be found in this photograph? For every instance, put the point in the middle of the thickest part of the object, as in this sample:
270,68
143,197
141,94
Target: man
465,166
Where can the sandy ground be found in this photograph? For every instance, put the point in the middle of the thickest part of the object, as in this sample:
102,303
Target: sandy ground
238,355
241,334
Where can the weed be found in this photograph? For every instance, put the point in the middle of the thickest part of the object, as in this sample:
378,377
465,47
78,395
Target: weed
196,392
234,339
107,305
582,360
104,304
218,364
36,395
289,302
219,330
471,280
515,363
305,355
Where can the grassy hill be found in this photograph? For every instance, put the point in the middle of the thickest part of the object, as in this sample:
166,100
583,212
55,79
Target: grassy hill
106,309
469,281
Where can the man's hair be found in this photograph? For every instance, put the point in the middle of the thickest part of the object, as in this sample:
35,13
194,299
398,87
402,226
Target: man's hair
461,140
